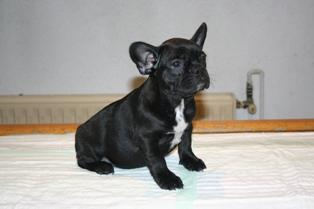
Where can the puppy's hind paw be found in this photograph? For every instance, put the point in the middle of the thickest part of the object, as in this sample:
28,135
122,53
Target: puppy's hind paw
104,168
100,167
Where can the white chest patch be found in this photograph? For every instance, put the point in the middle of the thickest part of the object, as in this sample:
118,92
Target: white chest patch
181,124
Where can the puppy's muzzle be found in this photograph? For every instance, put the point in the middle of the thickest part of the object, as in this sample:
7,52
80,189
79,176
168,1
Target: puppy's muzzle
202,86
202,77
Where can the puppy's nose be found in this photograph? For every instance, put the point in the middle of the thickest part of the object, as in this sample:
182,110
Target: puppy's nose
207,85
206,81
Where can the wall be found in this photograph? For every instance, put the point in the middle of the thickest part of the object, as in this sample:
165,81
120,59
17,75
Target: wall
81,47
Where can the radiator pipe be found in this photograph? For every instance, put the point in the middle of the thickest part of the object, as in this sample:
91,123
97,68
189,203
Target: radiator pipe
249,102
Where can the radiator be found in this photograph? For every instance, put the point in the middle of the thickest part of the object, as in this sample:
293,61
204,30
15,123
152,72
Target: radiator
59,109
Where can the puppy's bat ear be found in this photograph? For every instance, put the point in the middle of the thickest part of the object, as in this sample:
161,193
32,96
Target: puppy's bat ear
145,57
200,35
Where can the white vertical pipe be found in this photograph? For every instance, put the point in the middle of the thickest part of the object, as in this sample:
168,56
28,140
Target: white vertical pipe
261,75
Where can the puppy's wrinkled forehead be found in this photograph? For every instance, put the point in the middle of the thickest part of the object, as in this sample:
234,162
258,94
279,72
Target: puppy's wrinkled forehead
179,48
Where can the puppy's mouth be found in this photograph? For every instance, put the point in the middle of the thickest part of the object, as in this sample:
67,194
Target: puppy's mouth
189,89
203,83
202,86
192,92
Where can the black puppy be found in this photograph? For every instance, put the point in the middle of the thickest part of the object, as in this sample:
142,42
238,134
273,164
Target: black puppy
143,127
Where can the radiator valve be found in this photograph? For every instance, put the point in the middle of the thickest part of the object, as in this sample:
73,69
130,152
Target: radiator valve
249,102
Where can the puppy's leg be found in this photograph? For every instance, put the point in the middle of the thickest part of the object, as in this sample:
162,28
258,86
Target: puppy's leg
98,167
158,167
89,155
187,157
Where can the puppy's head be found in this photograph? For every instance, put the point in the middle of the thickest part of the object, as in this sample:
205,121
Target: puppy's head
178,64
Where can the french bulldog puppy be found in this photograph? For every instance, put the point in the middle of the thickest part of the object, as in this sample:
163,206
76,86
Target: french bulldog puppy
144,126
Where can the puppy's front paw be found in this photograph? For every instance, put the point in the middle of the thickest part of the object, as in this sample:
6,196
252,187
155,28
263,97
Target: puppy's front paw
168,180
193,164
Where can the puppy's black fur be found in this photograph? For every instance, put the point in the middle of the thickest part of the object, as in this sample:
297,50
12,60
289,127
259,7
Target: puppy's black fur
143,127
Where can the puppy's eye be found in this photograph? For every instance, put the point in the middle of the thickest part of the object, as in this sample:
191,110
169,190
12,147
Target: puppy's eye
176,63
